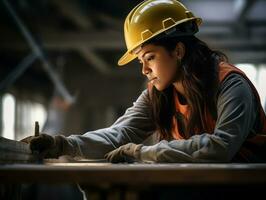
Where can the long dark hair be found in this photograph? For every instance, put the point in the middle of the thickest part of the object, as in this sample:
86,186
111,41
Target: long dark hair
199,77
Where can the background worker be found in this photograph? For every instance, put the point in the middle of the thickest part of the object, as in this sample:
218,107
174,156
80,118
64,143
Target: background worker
199,107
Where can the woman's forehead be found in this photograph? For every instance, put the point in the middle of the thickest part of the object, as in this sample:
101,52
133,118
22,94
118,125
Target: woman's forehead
147,48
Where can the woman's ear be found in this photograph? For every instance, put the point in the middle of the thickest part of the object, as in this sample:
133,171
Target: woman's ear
180,50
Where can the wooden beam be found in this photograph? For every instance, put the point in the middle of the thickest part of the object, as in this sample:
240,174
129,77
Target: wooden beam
137,174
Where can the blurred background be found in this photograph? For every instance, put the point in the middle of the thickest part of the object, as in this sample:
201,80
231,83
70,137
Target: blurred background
58,59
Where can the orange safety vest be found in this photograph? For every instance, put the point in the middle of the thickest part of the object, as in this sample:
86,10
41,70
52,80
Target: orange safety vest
255,145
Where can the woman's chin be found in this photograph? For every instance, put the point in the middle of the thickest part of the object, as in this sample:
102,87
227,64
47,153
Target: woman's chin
159,87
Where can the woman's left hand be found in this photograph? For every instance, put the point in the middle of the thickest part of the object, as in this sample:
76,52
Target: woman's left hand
125,153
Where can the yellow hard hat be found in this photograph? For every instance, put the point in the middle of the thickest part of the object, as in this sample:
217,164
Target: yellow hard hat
150,18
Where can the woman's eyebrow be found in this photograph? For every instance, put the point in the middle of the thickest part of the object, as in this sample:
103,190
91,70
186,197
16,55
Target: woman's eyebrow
150,51
146,53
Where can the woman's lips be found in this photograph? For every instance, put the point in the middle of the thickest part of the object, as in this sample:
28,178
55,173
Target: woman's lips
152,80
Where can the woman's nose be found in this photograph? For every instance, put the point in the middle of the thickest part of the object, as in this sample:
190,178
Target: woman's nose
145,69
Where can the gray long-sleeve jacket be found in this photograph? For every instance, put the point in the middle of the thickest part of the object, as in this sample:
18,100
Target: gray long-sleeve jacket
236,109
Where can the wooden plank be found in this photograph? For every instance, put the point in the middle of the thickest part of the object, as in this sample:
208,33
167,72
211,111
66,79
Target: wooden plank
97,173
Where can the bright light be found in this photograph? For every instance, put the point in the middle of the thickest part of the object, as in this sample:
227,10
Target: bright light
30,112
8,116
257,77
18,117
250,71
38,113
262,84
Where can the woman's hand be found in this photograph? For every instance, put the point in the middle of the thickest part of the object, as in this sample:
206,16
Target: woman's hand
46,145
125,153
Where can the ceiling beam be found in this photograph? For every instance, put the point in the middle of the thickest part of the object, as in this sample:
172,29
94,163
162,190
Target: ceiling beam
115,24
247,57
94,60
238,50
70,10
39,53
242,7
95,40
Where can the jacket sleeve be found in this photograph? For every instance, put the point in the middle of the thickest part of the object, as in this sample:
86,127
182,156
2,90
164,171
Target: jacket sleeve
134,126
236,110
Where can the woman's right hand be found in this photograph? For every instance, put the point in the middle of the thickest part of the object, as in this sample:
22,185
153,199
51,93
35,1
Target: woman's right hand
45,145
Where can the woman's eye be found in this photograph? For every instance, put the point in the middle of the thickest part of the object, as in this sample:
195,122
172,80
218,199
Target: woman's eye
150,58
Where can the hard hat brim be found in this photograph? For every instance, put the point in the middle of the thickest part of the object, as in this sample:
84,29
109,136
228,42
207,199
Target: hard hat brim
126,58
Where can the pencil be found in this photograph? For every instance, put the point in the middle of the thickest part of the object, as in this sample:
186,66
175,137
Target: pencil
36,133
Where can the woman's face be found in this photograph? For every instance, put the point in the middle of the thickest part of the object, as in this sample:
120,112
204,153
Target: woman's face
159,65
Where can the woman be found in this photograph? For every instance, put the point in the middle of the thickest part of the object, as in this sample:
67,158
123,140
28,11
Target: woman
200,108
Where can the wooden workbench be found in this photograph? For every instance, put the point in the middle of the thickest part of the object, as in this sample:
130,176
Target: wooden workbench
134,173
141,181
18,168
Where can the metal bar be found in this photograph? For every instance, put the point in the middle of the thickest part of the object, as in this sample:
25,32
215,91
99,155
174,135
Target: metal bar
242,7
19,70
98,63
39,52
